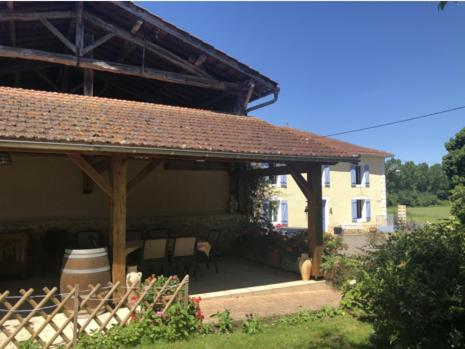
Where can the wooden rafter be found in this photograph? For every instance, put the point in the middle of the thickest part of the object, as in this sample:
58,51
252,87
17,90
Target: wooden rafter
58,34
97,43
33,16
118,68
89,170
301,182
207,49
152,165
149,46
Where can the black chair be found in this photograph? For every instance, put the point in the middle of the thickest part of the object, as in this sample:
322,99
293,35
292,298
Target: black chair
215,256
154,257
88,239
184,254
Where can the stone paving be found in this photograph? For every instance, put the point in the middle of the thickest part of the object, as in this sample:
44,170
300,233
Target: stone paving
271,304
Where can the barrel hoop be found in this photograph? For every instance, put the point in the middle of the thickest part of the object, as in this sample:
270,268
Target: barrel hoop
86,271
86,251
83,256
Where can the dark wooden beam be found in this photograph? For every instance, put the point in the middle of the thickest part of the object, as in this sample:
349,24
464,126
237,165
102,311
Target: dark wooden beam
148,45
244,98
58,34
118,68
188,39
300,181
185,165
89,170
315,217
282,170
118,217
97,43
152,165
34,16
47,80
79,38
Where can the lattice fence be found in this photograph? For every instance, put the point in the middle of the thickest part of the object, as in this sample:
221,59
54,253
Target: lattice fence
54,319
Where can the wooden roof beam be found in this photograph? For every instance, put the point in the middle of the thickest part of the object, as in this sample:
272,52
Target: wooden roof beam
148,45
118,68
185,37
34,16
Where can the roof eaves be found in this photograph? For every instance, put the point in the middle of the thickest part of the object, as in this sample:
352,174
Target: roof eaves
138,150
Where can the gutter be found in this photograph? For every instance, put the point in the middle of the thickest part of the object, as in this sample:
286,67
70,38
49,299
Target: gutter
264,104
82,147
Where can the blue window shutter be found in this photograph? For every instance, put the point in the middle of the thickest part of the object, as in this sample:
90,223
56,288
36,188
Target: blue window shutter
352,175
283,181
284,219
354,210
366,175
326,177
368,209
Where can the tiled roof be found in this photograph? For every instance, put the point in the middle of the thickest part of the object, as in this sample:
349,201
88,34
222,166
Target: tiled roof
41,118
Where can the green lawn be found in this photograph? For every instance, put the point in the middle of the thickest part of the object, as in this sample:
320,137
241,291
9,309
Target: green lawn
342,332
424,214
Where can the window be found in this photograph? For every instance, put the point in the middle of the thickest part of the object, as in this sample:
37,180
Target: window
276,212
360,175
361,210
282,181
325,176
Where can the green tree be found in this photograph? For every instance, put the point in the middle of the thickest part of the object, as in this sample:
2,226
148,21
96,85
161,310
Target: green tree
454,167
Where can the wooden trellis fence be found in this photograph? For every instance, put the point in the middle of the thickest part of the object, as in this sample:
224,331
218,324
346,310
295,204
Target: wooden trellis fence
54,319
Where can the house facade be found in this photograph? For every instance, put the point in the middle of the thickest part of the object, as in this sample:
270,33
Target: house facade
354,196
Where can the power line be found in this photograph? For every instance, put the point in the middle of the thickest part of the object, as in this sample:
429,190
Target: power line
396,122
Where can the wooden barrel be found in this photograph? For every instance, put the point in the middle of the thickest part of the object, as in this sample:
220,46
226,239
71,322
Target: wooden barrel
84,267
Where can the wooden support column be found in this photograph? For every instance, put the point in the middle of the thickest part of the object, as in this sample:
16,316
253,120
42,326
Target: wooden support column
118,217
315,216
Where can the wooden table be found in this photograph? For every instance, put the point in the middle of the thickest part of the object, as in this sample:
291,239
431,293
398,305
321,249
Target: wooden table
132,246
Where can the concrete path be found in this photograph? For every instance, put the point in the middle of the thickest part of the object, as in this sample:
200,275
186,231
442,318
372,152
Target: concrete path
271,304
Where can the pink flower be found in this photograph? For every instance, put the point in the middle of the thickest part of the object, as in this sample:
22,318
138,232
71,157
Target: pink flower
159,313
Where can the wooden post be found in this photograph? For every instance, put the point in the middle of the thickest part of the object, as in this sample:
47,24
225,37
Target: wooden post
75,313
315,216
118,217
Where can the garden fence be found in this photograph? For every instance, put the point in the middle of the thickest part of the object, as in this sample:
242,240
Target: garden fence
54,319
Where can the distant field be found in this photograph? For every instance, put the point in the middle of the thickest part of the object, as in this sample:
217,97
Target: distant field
424,214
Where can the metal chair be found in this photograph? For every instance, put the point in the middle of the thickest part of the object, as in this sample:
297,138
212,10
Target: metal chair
215,256
154,254
88,239
184,254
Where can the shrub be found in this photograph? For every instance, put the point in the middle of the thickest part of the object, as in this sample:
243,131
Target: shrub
413,288
251,325
179,322
337,267
225,321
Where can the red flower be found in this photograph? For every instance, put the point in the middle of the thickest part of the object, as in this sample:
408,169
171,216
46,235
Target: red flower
134,298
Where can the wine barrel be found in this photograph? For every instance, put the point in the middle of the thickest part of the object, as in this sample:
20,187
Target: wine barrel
84,267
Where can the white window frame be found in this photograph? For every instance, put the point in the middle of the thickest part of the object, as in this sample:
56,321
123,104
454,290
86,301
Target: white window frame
363,219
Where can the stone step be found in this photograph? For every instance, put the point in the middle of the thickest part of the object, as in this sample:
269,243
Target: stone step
283,287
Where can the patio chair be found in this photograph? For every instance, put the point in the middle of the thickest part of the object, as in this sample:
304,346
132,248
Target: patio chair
184,254
154,256
134,257
215,256
88,239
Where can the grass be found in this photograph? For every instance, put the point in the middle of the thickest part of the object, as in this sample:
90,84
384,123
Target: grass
341,332
424,214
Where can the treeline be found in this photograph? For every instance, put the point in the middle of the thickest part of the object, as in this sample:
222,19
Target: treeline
415,184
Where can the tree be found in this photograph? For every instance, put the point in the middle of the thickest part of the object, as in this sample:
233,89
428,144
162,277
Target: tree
454,167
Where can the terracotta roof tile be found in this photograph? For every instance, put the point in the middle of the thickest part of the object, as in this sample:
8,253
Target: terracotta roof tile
29,115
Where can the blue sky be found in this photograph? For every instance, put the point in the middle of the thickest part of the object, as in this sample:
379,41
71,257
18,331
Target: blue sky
346,65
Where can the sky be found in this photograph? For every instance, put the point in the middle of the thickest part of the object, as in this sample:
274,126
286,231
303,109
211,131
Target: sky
346,65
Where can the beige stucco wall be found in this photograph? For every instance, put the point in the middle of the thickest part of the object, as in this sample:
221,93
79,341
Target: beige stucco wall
50,187
340,195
